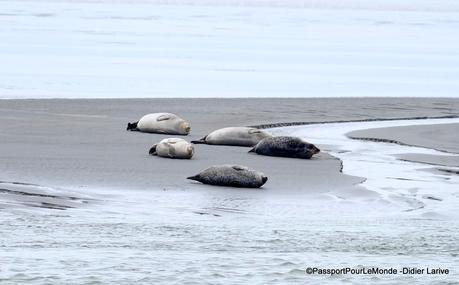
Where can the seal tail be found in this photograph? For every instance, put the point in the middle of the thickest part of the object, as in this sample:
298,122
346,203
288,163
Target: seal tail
152,150
252,150
264,179
132,126
195,177
200,141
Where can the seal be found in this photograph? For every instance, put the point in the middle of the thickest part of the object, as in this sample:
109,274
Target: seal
237,136
173,148
161,123
231,175
286,147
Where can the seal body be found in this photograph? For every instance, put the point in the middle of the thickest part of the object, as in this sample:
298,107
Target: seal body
173,148
162,123
286,147
237,136
231,175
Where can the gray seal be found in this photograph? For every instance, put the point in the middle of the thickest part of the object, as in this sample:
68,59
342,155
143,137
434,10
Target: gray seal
231,175
286,147
237,136
161,123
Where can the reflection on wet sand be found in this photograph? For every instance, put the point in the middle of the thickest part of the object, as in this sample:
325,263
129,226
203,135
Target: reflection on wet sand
13,194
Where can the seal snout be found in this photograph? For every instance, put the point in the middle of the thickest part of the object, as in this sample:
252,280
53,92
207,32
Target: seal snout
185,127
152,150
190,150
315,150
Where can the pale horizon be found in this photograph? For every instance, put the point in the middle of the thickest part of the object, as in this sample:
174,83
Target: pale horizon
141,49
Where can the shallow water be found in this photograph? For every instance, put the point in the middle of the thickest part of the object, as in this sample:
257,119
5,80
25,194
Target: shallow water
221,236
112,49
232,248
395,180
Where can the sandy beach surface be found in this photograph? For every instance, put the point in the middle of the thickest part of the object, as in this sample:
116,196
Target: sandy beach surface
130,216
81,143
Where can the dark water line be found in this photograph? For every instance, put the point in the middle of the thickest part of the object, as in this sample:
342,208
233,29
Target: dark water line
397,142
289,124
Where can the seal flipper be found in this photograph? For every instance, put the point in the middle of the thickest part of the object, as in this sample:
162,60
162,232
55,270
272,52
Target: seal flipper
252,150
238,168
195,177
163,117
152,150
200,141
254,131
132,126
170,151
235,184
264,179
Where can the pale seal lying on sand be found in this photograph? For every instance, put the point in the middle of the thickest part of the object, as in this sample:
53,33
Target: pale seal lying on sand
173,148
238,136
231,175
162,123
285,146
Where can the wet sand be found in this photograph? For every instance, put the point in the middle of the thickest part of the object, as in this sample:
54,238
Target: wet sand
444,138
84,143
445,160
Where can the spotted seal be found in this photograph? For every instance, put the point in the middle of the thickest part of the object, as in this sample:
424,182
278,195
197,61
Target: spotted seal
231,175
